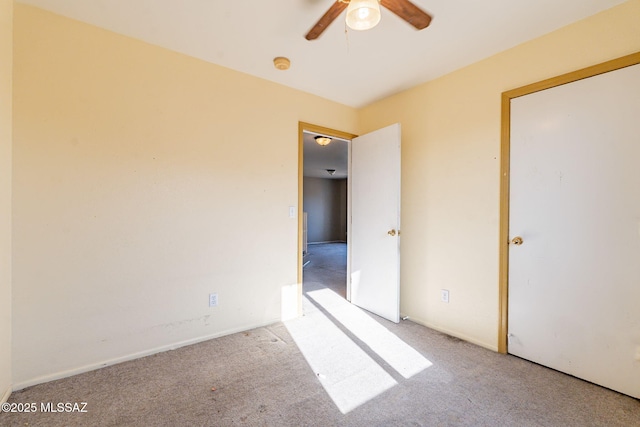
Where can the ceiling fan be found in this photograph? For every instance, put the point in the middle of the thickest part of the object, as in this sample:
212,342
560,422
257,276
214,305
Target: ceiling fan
365,14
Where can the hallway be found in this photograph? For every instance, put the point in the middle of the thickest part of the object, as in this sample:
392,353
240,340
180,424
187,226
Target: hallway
327,268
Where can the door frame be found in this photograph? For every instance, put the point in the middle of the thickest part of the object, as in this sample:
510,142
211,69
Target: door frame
505,150
302,127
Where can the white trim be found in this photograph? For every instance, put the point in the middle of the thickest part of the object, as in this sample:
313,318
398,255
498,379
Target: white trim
349,193
133,356
6,395
455,334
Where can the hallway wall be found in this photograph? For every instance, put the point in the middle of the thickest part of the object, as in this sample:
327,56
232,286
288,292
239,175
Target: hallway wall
325,201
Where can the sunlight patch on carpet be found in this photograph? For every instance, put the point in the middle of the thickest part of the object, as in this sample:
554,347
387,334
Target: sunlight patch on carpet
398,354
349,376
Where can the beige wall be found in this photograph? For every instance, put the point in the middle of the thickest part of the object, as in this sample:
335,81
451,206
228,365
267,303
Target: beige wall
325,202
6,60
143,183
451,164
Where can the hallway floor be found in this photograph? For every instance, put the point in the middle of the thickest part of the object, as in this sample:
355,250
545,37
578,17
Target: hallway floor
327,268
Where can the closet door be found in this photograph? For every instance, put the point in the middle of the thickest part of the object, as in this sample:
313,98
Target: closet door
574,260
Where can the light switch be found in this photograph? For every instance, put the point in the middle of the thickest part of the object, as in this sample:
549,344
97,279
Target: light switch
292,211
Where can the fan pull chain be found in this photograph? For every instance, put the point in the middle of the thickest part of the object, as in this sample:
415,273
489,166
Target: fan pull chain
346,35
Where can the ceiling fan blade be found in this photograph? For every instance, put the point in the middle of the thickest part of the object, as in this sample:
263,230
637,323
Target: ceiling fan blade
333,12
409,12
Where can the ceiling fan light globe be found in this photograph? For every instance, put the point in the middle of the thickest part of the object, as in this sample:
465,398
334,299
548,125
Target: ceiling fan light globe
363,14
322,140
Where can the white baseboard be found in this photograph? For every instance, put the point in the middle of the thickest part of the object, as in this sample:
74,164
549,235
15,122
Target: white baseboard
330,241
6,394
454,334
93,366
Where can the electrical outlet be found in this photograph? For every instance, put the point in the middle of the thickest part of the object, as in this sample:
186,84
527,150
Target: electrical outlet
213,300
444,295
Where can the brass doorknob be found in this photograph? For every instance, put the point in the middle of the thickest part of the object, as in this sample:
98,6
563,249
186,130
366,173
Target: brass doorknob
391,232
517,240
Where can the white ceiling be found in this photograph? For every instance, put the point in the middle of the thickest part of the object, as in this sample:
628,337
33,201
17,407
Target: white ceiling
350,67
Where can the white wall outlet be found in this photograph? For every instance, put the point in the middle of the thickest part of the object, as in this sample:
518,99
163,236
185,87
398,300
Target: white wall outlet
213,300
444,295
292,211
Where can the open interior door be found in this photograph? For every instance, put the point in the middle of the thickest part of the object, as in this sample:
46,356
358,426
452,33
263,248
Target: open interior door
375,222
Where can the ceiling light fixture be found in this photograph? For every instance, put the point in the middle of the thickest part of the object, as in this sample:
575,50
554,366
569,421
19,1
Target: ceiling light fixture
323,140
363,14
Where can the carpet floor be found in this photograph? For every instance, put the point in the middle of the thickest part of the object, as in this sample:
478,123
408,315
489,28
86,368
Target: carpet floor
335,366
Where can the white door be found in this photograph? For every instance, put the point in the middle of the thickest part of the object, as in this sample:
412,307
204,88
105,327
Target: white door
375,222
574,282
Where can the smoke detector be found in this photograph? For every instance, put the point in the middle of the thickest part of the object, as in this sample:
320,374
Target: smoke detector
281,63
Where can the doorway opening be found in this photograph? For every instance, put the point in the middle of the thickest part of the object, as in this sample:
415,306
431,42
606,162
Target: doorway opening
323,210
